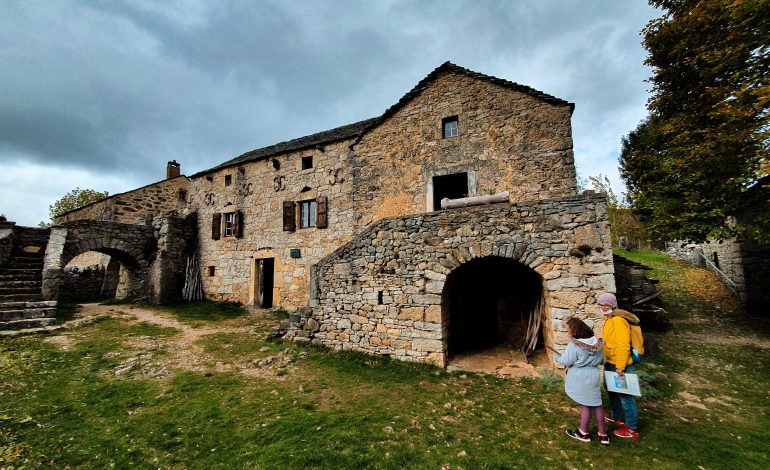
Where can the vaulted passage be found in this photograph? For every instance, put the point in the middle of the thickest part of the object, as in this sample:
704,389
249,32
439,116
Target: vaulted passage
490,302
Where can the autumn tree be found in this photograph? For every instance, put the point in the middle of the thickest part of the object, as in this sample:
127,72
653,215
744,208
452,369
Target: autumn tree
705,140
623,223
72,200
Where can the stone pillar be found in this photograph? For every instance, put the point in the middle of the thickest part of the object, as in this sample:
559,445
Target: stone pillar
52,266
168,269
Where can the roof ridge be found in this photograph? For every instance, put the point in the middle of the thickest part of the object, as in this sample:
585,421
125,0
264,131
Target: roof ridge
450,67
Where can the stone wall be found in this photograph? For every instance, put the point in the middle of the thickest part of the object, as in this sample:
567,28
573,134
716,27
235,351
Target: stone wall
508,141
382,292
6,243
135,207
81,283
258,191
744,263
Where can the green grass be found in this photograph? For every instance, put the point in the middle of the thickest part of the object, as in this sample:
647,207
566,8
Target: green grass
204,311
705,403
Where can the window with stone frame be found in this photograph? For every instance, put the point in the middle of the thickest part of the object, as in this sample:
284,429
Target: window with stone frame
226,224
307,162
449,127
229,224
228,180
307,213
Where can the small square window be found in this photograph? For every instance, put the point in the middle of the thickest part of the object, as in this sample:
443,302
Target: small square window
307,211
212,269
307,162
182,195
449,127
229,224
228,180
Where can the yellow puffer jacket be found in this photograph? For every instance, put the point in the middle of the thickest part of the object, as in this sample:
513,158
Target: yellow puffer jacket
617,336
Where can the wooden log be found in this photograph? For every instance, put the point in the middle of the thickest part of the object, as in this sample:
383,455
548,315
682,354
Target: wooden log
447,203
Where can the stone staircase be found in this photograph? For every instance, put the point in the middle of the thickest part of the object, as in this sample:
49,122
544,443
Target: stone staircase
22,308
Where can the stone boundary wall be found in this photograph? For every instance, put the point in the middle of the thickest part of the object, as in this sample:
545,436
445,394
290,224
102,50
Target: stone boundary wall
81,283
382,292
138,206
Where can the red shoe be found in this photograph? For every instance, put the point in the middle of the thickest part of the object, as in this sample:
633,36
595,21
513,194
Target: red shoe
626,432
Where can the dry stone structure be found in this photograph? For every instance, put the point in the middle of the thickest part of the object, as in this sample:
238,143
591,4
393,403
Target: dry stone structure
344,228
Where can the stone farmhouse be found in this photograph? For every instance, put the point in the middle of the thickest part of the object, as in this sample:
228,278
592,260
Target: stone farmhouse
345,228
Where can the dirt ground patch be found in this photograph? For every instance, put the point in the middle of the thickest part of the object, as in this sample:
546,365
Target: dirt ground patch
181,351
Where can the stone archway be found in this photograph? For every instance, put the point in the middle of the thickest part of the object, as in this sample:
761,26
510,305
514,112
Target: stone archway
133,247
490,302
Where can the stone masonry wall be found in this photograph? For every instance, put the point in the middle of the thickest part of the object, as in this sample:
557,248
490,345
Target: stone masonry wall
135,207
81,283
508,141
403,263
6,243
258,190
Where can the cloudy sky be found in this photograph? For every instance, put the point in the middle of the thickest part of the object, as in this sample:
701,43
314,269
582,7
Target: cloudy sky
101,94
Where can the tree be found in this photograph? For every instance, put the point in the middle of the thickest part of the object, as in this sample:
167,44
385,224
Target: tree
706,138
73,200
623,223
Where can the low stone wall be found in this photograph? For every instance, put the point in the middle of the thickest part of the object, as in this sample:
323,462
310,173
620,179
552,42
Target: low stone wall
80,284
382,292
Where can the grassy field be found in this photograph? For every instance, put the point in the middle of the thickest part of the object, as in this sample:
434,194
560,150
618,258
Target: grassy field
207,390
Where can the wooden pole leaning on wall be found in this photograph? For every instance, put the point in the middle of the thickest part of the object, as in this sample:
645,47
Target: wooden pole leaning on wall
475,200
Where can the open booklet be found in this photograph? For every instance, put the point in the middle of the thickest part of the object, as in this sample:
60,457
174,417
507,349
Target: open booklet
627,383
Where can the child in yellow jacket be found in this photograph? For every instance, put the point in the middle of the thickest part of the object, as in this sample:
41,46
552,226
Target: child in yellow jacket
616,334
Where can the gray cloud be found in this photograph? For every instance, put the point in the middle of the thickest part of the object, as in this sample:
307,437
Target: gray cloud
119,88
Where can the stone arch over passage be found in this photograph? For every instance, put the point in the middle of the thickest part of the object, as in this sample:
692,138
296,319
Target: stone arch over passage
131,249
489,302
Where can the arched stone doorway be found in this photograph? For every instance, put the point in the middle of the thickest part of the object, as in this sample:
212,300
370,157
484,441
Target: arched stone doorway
492,302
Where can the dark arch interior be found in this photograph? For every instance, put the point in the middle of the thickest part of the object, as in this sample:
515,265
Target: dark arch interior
488,302
107,279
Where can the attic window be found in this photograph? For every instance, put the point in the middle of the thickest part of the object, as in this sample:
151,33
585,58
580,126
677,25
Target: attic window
182,195
307,162
449,127
228,180
276,164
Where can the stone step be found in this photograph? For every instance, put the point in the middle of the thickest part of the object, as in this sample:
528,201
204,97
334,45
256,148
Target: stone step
21,283
25,324
30,331
27,314
18,290
25,264
18,305
11,270
36,276
22,256
21,297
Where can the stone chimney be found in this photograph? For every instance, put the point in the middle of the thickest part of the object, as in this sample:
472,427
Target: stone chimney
172,169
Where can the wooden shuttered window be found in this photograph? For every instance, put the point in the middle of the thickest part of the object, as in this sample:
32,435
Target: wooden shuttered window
322,218
289,217
216,226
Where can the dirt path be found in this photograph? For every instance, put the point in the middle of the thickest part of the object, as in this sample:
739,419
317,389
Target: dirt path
180,351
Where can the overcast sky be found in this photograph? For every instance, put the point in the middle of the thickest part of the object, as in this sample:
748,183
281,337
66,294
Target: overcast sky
101,94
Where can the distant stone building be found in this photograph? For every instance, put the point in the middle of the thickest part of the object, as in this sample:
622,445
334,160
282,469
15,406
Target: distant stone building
743,262
345,227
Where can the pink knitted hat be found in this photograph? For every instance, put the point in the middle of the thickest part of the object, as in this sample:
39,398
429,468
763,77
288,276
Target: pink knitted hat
607,299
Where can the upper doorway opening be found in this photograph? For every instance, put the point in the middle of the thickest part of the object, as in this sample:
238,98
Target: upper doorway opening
452,186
